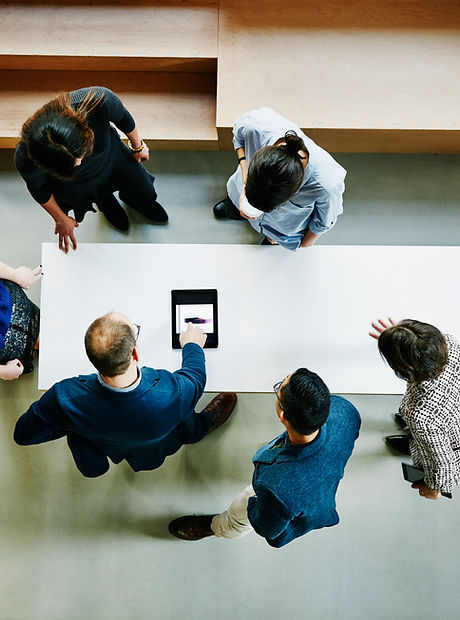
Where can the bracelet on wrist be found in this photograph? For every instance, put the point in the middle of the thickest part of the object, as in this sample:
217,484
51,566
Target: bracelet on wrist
139,148
241,158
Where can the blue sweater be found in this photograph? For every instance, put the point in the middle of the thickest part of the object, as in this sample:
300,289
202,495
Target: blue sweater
295,486
142,426
5,313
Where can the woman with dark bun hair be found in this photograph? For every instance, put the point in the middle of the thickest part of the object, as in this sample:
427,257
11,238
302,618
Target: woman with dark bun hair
429,361
287,186
71,157
19,321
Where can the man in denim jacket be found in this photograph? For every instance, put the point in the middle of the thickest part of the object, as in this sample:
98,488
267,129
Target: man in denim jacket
296,475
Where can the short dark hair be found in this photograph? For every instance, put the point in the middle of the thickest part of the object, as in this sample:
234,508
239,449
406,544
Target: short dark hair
275,173
109,345
57,134
416,351
305,400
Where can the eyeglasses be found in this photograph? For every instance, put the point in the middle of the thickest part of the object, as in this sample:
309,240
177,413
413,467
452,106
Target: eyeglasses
137,329
276,389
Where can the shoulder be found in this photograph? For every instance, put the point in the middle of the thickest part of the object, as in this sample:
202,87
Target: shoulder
340,406
266,119
102,99
74,386
323,170
344,420
454,350
78,95
151,375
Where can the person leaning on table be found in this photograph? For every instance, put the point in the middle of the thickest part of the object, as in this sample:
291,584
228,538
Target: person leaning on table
296,475
70,156
19,321
295,185
430,363
126,412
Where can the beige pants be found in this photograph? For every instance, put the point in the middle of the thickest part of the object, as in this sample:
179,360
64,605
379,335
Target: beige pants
234,522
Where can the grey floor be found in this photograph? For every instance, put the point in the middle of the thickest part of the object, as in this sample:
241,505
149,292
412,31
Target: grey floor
73,549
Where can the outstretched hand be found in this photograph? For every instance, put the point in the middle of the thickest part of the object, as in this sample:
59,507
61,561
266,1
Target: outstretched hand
65,229
380,326
25,276
194,334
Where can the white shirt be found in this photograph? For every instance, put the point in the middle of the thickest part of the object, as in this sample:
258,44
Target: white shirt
317,204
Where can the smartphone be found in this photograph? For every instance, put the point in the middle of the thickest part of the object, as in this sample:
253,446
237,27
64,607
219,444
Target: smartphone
415,475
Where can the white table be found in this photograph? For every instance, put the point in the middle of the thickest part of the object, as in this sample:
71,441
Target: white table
277,310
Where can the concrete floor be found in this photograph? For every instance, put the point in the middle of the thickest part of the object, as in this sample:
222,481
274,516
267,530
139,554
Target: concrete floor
74,549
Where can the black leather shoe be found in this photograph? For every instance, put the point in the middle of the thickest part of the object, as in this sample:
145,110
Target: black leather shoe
220,408
191,527
114,212
400,443
226,210
400,423
155,213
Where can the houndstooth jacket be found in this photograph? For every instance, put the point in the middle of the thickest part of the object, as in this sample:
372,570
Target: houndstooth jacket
431,410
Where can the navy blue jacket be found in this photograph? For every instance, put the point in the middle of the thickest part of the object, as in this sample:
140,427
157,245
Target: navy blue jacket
142,426
295,485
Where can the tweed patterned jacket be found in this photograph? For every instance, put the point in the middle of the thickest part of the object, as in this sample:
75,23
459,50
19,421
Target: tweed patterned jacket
431,410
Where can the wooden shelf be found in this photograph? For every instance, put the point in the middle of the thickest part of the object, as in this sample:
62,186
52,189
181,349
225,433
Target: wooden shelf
172,110
360,76
56,31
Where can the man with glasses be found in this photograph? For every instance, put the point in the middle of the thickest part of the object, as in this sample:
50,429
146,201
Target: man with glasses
296,475
124,411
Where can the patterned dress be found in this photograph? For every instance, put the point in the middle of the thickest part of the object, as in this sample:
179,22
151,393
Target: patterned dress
23,330
431,410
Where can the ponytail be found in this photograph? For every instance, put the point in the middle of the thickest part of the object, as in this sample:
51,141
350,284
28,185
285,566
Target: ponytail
294,144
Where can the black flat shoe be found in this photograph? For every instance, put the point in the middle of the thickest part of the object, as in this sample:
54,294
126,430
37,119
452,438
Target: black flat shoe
226,210
400,443
154,213
114,212
157,214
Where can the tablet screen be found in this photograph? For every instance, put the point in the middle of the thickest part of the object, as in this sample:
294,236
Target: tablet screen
198,314
196,306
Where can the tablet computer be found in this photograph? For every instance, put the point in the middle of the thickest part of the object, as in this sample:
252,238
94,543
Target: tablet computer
415,475
197,306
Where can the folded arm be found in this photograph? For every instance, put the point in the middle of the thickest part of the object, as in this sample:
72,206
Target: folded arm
268,515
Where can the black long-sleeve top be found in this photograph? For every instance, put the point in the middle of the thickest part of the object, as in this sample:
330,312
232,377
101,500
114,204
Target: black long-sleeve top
95,167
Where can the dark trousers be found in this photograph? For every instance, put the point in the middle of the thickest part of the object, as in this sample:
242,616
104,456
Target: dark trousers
190,431
124,174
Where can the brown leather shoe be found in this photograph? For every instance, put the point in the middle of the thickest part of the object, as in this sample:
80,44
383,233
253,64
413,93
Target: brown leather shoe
220,409
191,527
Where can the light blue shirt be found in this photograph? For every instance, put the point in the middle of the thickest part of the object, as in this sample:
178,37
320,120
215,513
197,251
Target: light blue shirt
130,388
317,204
